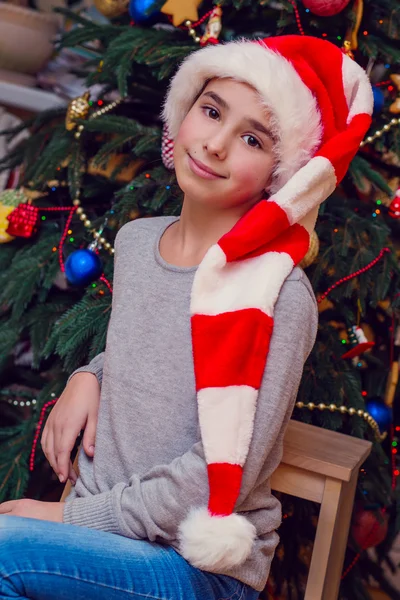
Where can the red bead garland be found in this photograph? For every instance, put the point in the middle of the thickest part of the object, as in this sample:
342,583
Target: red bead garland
355,274
63,238
199,22
107,283
37,432
297,15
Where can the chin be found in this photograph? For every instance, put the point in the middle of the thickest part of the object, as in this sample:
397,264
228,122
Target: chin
200,189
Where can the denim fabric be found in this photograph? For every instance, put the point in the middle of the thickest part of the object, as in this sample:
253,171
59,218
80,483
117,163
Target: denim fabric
44,560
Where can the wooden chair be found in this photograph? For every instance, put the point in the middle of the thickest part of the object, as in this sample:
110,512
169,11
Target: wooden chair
319,465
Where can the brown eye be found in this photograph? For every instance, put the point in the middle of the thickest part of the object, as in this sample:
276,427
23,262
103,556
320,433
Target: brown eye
253,142
212,112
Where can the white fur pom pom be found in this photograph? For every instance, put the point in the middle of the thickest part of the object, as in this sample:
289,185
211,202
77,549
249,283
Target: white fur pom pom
215,543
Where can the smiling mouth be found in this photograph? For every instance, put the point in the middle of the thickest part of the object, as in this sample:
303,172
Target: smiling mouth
202,170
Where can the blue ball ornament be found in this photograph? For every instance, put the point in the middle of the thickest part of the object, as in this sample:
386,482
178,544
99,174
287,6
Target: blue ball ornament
380,412
82,267
379,100
143,11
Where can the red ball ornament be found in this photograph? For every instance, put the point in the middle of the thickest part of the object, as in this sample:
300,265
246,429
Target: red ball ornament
369,528
325,8
394,208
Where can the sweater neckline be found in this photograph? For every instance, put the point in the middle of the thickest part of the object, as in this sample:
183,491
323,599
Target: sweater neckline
163,263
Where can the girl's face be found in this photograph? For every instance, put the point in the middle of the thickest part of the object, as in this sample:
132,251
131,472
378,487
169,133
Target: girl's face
223,152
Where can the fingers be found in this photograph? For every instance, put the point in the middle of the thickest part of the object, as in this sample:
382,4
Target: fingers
43,439
63,448
89,436
72,476
49,450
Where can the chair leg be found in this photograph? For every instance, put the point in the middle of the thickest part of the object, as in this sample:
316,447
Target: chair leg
331,539
339,542
66,490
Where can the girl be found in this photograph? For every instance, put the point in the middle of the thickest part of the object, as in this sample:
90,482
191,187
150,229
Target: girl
211,324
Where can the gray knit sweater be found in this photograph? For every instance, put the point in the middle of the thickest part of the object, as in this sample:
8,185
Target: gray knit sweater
148,468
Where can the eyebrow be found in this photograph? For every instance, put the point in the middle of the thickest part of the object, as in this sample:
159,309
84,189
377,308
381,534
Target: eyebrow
252,122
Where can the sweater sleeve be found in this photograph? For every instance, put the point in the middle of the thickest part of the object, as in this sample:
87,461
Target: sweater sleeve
153,505
95,366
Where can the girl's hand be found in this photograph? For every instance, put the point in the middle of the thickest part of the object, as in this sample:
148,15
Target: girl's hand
76,409
34,509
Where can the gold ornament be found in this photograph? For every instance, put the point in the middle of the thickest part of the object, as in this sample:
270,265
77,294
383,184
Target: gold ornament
78,108
112,8
351,41
181,10
312,251
346,48
391,383
4,223
134,214
125,175
394,108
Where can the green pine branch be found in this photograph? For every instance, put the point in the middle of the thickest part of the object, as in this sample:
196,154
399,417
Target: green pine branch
26,275
85,323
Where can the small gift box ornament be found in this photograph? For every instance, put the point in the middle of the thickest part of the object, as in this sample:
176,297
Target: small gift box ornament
23,221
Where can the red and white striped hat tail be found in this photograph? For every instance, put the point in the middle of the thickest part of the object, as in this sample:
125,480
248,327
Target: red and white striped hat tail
238,282
217,539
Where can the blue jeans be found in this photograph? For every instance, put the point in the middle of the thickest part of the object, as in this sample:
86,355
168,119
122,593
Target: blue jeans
44,560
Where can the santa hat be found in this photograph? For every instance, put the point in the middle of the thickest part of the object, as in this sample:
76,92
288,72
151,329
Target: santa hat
320,104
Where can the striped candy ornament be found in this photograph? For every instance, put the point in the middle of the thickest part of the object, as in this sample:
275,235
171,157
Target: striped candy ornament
167,149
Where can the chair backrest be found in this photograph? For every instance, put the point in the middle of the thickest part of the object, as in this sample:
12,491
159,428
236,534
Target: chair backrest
311,455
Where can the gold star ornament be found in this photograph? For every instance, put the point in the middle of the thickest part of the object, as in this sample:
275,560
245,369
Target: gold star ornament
181,10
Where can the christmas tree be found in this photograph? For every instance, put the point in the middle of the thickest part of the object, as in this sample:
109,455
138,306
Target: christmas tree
106,160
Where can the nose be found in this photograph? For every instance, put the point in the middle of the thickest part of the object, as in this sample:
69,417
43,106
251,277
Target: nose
216,144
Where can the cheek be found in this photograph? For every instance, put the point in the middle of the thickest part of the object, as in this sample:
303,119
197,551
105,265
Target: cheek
182,142
187,131
181,146
251,170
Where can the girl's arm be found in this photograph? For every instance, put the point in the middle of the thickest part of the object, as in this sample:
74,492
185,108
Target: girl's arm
153,506
95,366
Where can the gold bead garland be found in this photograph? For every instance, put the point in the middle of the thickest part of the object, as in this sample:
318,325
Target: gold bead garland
213,27
77,202
98,113
351,411
87,223
380,132
192,32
